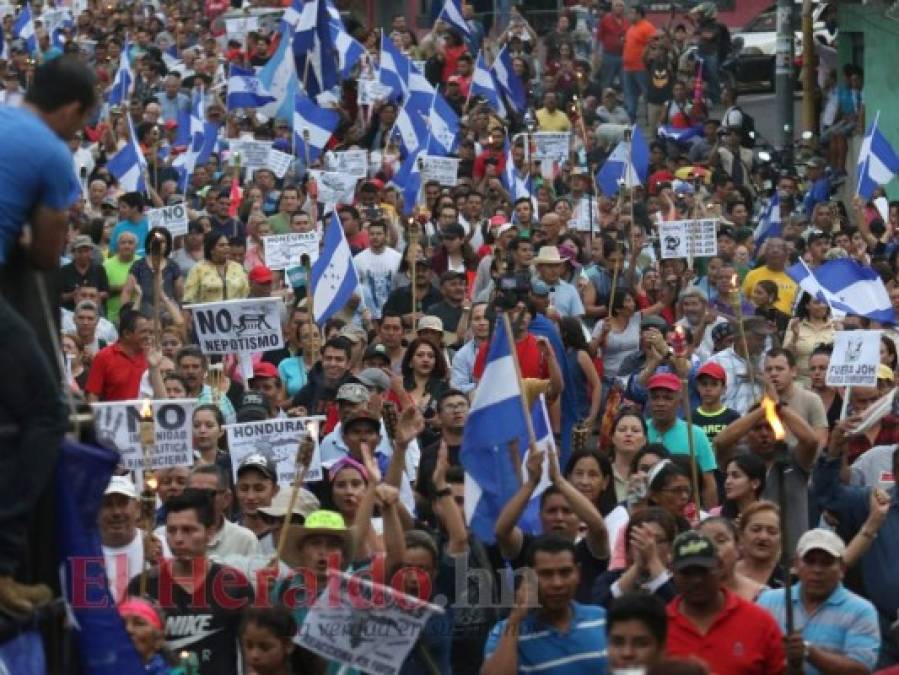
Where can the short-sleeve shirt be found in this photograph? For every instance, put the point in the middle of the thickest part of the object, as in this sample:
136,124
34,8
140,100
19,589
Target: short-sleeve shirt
676,442
715,422
809,407
138,229
590,566
38,170
786,287
114,375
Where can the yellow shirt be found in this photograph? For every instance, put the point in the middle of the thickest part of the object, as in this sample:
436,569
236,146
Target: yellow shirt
786,287
552,121
204,283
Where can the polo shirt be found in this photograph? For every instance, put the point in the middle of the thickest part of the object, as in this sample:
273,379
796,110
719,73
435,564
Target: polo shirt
114,375
545,649
786,287
744,639
675,441
552,121
845,623
565,298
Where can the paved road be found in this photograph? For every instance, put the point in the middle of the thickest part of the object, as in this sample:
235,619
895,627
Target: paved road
763,110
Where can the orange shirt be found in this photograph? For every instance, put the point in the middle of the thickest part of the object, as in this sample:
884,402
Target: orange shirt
635,41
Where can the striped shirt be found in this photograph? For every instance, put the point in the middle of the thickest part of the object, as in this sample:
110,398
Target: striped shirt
545,649
845,624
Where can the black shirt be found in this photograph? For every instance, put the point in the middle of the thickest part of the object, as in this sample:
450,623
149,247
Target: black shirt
449,315
198,622
590,566
70,279
400,301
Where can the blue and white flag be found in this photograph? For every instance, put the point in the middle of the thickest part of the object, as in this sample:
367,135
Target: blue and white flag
334,276
543,433
23,28
679,135
200,146
408,179
57,21
393,69
120,91
516,185
128,165
349,50
849,288
452,14
279,79
4,46
315,56
302,17
877,161
245,90
411,128
483,84
491,478
770,223
509,83
443,130
319,122
627,165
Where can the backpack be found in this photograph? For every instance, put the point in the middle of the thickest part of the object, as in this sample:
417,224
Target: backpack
747,129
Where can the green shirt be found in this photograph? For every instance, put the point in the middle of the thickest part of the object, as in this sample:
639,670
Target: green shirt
117,275
675,441
280,223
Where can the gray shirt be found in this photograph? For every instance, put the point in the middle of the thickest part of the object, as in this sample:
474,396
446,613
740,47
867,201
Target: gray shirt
874,468
796,483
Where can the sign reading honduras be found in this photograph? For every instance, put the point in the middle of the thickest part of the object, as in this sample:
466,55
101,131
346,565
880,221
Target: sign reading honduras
276,440
247,325
847,287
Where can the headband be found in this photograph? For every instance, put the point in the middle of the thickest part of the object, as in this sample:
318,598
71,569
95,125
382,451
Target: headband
141,608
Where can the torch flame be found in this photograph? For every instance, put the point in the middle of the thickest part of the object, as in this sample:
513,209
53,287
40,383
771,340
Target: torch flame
146,411
735,281
771,417
151,483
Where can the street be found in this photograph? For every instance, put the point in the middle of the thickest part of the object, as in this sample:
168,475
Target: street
763,109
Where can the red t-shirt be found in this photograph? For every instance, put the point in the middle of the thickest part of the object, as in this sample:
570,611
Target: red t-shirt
610,33
480,163
743,640
529,358
114,375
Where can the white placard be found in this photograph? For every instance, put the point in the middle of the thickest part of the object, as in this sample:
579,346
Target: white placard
371,92
279,162
334,187
247,325
239,27
253,154
117,426
173,218
856,355
367,626
586,215
278,440
688,238
444,170
351,162
286,250
552,145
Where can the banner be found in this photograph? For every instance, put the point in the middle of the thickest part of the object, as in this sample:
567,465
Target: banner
253,154
279,162
689,238
286,250
371,92
350,162
117,426
444,170
334,187
239,27
552,145
247,325
173,218
278,440
367,626
856,355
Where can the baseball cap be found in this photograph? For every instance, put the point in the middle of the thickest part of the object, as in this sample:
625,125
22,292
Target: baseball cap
668,381
726,231
352,392
352,333
362,416
653,321
884,372
253,407
121,485
821,540
113,203
692,549
539,287
305,504
713,370
377,351
264,465
261,274
505,227
430,322
816,162
451,275
758,325
722,330
82,241
374,377
265,369
693,291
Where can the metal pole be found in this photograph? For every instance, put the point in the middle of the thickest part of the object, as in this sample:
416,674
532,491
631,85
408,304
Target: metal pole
784,79
809,61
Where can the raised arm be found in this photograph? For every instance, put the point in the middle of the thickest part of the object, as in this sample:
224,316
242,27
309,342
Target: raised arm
446,508
597,534
508,534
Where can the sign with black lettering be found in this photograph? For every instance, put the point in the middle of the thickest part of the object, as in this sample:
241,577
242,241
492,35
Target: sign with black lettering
856,355
277,439
117,426
247,325
173,218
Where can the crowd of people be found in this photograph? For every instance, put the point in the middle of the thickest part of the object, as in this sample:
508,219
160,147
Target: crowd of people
709,503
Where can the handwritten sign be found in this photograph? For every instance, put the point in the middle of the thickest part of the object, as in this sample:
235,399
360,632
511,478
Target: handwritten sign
173,218
334,187
442,169
279,162
253,154
287,250
688,238
276,439
351,162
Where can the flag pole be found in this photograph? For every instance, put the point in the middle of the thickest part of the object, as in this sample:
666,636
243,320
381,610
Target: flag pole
532,438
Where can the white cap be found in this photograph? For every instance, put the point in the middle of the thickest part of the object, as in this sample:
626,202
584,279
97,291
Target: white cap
121,485
821,540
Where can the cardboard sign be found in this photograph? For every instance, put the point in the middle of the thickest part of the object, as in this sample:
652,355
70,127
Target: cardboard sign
238,28
334,187
173,218
688,238
247,325
372,92
444,170
117,426
279,162
855,358
253,154
351,162
552,145
586,215
278,440
286,250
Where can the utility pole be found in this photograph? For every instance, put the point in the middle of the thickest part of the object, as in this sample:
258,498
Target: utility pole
809,63
784,79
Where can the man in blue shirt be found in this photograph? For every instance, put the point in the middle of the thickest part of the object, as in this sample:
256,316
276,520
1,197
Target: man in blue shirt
564,298
131,213
818,185
37,186
547,631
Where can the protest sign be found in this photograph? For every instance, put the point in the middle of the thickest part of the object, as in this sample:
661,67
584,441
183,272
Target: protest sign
586,218
351,162
173,218
551,145
688,238
444,170
253,154
239,27
364,625
278,440
371,92
279,162
286,250
334,187
247,325
117,426
856,355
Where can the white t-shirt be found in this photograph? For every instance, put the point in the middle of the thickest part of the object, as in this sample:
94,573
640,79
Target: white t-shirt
123,563
376,274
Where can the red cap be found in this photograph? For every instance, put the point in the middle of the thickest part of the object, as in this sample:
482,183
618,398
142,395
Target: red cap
496,221
668,381
713,370
265,369
659,177
261,275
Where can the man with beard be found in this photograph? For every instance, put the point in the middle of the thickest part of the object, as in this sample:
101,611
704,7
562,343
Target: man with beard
694,304
400,300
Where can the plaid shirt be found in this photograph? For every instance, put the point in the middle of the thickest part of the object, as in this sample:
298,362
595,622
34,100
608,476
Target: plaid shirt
888,435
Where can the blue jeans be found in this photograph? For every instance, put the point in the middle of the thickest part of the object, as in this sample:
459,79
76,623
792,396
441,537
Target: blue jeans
609,70
634,83
710,67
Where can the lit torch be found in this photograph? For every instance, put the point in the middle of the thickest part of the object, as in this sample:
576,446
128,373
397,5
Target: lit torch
771,416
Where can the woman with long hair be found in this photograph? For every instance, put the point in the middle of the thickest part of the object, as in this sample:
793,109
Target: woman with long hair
618,336
453,254
588,386
811,327
294,370
818,364
424,374
142,276
209,434
216,277
744,482
724,534
591,473
628,438
73,349
760,544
